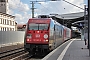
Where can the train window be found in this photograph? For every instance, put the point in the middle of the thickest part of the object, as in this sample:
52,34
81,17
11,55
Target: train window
60,32
43,26
38,26
33,26
54,27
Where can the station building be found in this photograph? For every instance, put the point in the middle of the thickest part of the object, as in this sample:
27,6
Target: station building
7,22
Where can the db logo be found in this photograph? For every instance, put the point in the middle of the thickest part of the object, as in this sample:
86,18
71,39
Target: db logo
37,35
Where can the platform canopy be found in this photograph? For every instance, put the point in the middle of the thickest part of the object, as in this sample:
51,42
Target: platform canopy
70,19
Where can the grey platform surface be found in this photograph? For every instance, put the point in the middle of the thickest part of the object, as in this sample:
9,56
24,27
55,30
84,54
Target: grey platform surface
76,51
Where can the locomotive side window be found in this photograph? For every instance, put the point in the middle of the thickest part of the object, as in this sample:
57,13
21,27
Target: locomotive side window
54,27
60,32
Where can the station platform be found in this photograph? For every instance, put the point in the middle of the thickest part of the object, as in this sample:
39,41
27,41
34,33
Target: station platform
74,49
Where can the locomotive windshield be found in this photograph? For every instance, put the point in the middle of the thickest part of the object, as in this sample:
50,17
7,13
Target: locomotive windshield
38,26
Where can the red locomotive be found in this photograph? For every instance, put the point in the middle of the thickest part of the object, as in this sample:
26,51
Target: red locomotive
44,34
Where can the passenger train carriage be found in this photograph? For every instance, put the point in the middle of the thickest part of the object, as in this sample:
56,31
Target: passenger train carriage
44,34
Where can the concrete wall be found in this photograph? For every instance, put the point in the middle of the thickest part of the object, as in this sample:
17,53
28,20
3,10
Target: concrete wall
10,37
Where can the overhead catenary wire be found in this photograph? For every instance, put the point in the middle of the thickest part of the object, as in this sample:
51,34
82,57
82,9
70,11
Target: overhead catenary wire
56,7
44,7
34,8
72,4
69,3
48,8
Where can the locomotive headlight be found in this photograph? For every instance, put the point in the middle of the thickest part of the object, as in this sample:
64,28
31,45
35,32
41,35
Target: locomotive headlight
27,40
29,36
46,40
45,36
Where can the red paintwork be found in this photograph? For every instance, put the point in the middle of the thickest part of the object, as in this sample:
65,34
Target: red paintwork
64,33
38,35
39,21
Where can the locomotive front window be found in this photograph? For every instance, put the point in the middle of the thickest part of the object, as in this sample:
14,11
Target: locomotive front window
43,26
38,26
33,26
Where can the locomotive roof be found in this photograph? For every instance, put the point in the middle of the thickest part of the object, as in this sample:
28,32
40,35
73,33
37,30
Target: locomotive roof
54,21
40,18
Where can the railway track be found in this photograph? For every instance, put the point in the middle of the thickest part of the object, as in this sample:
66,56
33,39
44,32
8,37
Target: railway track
16,54
25,56
10,53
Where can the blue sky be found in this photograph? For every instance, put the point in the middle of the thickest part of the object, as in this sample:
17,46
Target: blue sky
86,2
22,12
